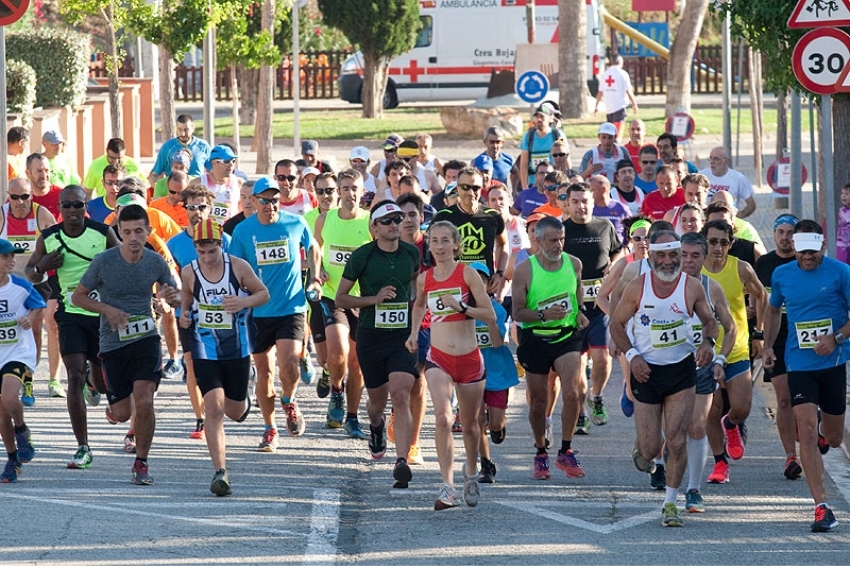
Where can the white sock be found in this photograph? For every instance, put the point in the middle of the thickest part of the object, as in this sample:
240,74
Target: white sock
696,461
670,494
659,461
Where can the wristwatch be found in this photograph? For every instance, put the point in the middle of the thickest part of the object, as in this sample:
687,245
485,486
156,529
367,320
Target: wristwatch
758,335
35,268
540,315
839,338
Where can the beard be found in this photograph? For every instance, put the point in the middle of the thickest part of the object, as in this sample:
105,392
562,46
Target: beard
553,257
667,277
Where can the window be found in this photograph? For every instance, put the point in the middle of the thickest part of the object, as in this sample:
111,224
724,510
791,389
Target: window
426,33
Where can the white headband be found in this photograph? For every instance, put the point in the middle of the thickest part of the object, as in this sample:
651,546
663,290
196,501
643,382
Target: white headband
807,241
675,245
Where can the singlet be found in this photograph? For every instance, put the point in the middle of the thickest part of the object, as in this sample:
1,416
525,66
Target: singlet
423,180
430,164
226,201
341,238
22,233
219,335
634,205
696,324
550,288
609,163
300,206
733,288
661,326
454,285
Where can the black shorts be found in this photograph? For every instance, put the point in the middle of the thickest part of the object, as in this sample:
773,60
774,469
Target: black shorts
55,291
595,334
186,337
665,381
779,367
618,116
316,321
230,375
274,328
137,361
508,304
826,388
382,353
78,334
331,314
18,370
44,289
537,353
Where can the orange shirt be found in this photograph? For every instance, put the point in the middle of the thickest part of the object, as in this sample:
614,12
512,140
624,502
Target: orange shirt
162,224
550,210
177,213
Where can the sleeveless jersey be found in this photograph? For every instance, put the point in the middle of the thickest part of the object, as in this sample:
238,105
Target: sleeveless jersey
423,180
22,233
661,326
696,325
609,164
551,288
226,201
435,290
734,291
219,335
634,206
341,237
300,206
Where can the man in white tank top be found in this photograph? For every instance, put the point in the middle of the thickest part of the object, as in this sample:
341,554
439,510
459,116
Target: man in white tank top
219,179
660,351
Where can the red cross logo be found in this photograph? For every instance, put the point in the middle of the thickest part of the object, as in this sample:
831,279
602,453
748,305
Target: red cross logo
413,70
609,81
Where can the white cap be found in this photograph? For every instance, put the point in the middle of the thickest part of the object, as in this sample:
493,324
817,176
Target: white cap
608,129
386,210
808,241
359,152
310,171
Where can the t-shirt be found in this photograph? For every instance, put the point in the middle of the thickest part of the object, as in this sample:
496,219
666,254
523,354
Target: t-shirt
656,206
539,149
94,176
550,209
764,268
501,167
632,200
614,83
608,160
161,224
274,252
176,212
593,244
615,212
501,369
634,153
478,232
17,298
50,201
98,209
160,188
842,236
200,153
374,269
126,286
62,171
733,181
646,186
746,231
817,302
529,199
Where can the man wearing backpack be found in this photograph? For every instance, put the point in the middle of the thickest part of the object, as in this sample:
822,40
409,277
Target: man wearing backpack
602,159
537,143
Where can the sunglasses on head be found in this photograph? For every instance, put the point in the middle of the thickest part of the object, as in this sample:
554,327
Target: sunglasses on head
194,207
265,201
390,220
469,187
326,191
20,197
289,178
714,241
78,204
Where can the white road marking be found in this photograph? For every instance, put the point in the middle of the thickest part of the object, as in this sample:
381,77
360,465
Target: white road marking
324,526
541,511
835,464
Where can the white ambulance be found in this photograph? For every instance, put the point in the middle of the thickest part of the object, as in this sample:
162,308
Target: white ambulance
461,43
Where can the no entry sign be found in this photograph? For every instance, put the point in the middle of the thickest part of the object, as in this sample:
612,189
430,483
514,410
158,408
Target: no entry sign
12,10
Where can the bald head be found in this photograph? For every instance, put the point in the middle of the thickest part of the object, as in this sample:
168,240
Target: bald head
724,197
19,184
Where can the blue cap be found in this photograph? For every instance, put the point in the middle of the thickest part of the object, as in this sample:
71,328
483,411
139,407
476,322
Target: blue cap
220,152
483,162
264,184
7,247
478,266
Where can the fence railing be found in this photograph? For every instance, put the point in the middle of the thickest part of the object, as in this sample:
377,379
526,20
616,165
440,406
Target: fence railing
649,74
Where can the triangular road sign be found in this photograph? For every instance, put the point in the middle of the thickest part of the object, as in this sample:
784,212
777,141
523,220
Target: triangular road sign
843,82
820,13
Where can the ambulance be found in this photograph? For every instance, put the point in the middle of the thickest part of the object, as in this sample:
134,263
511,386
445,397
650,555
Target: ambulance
461,43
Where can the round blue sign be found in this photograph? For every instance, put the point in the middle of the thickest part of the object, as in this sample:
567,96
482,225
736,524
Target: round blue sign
532,86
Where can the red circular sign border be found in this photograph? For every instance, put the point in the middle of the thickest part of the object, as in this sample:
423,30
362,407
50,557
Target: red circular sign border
797,57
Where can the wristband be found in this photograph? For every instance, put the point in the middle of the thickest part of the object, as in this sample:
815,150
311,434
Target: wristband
500,272
758,335
463,307
720,359
317,280
632,354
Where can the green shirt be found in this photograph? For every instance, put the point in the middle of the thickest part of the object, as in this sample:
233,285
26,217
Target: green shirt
94,176
62,172
549,288
340,238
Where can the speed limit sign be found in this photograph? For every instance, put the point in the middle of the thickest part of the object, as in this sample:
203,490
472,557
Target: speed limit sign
819,59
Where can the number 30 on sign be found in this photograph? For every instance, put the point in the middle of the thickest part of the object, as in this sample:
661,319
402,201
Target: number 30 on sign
819,58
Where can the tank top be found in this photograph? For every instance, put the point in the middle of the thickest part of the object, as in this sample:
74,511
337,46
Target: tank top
300,206
661,326
734,291
609,164
341,237
454,285
22,233
430,164
423,181
551,288
381,166
226,201
219,335
696,324
635,205
77,254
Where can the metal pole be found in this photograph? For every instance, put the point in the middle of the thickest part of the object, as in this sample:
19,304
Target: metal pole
814,157
727,82
795,192
296,82
4,149
530,19
209,86
828,187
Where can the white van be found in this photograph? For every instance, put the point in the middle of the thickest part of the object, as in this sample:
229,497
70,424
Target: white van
460,43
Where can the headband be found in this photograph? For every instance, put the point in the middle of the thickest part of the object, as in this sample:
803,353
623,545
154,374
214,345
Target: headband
785,219
638,225
674,245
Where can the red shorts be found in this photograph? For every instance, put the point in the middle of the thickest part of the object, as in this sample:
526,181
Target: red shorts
496,399
466,368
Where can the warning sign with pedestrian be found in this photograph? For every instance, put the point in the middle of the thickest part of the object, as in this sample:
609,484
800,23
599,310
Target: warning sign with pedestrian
820,13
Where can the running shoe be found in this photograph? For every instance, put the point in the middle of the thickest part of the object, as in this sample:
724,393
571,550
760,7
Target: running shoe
270,441
308,372
391,428
27,397
26,451
642,463
720,474
336,410
414,455
82,459
295,423
569,464
471,491
670,516
378,441
457,427
793,470
488,471
402,474
91,395
658,478
824,519
583,425
130,442
626,404
171,370
693,502
498,436
734,442
548,434
55,389
11,471
541,467
323,386
352,428
823,445
110,417
140,474
447,498
198,433
220,484
599,415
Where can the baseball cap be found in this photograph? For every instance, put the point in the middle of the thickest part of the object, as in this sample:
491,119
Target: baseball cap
451,189
624,163
392,142
608,129
385,210
131,199
209,229
534,217
310,171
359,152
264,184
408,148
7,247
182,156
224,152
483,162
478,266
53,136
808,241
309,147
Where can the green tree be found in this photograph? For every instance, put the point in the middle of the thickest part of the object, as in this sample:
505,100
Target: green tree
381,29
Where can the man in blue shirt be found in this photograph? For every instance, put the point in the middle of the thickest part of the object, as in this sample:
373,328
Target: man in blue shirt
504,168
185,139
815,291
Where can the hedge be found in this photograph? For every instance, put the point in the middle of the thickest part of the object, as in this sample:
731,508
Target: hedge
60,59
20,89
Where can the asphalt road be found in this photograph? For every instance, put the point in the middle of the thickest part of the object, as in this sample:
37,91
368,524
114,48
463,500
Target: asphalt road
321,498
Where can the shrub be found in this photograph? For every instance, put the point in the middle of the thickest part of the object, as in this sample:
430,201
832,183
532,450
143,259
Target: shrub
20,89
59,58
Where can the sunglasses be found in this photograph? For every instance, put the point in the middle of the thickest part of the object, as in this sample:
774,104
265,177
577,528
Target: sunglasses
266,201
78,204
194,207
495,142
388,221
112,183
173,192
560,154
469,187
326,191
225,161
289,178
649,162
562,197
639,238
551,187
357,161
20,197
714,241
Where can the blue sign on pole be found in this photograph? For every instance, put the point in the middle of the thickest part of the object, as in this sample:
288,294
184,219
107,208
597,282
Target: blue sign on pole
532,86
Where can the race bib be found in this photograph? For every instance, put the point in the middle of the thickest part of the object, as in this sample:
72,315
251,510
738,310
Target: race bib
391,316
136,326
271,253
435,301
214,317
94,294
560,300
697,330
339,255
482,336
26,243
220,211
590,289
809,332
9,333
667,335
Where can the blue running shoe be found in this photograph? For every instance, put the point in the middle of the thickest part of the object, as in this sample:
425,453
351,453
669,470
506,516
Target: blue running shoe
626,404
10,472
25,447
27,397
336,409
307,370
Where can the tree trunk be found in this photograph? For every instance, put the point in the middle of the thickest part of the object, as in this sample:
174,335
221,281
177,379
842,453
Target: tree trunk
249,81
840,145
757,110
682,55
113,65
234,96
783,102
166,93
374,85
572,53
263,137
